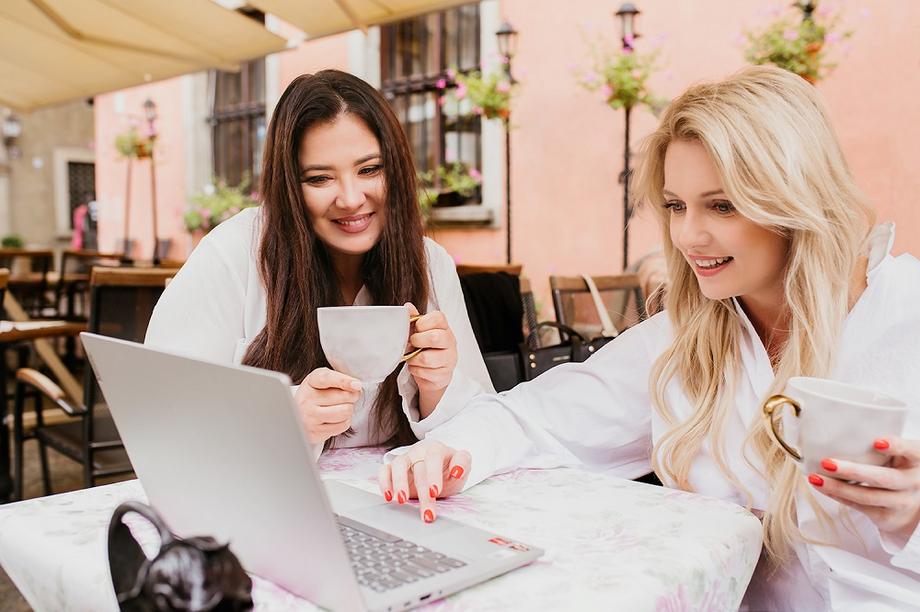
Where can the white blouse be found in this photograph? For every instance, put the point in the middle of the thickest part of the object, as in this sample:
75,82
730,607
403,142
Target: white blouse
598,414
216,306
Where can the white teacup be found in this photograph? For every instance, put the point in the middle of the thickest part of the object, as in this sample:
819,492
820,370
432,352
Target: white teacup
366,342
835,420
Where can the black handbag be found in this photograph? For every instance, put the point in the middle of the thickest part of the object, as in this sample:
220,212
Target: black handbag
535,359
504,369
190,574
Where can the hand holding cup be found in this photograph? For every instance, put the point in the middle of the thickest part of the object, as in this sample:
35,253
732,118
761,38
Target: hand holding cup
326,401
433,366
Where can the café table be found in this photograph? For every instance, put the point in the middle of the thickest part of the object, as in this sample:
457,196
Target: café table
610,543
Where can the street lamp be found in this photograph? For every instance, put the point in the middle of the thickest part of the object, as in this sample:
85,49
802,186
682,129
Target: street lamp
150,114
507,46
627,14
807,7
12,130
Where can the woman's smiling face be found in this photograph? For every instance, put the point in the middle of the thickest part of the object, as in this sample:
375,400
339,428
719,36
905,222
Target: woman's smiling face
731,255
343,184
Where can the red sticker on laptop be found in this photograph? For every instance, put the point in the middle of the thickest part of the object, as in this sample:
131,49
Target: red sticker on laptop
509,544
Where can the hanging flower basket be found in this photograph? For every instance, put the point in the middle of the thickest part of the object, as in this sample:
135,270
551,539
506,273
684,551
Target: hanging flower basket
796,44
132,144
621,77
489,94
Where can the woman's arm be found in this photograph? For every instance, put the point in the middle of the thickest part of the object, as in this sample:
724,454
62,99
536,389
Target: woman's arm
595,413
200,313
446,326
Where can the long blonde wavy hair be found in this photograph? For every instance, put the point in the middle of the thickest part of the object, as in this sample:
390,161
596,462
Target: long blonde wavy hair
770,139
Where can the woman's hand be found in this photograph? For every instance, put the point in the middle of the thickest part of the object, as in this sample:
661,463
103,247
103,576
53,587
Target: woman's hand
888,495
326,400
429,470
433,368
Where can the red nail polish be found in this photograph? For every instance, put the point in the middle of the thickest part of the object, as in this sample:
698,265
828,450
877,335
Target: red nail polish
829,465
387,495
881,444
457,472
816,480
429,516
402,497
433,491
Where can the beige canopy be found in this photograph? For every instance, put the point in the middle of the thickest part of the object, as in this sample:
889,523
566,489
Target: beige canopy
323,17
56,50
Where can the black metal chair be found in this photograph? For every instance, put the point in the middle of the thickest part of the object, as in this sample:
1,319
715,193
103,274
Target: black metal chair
121,302
30,277
72,289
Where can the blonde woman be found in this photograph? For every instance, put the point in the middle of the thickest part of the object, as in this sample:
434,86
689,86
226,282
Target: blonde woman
775,270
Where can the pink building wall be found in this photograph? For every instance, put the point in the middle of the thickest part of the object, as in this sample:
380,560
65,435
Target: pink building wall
567,146
113,114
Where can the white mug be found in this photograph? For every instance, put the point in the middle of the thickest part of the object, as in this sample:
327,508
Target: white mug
366,342
836,420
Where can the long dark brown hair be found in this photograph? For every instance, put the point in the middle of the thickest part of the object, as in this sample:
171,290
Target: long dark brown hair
295,264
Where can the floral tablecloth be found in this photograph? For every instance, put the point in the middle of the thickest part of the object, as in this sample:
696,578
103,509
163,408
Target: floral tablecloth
609,543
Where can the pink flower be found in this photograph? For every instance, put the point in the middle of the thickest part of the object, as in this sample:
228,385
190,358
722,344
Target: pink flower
607,91
205,213
628,40
441,84
503,86
442,101
461,91
451,73
475,175
477,110
791,34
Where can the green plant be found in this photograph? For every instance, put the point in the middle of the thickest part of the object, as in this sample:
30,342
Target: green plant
427,195
12,241
459,178
134,144
217,203
621,76
797,45
489,94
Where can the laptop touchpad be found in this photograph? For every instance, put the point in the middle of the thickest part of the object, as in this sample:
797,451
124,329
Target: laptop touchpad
345,498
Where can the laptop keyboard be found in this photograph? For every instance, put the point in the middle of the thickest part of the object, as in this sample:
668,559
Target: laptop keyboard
382,561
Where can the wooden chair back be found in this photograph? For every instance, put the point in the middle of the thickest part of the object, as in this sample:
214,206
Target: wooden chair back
575,306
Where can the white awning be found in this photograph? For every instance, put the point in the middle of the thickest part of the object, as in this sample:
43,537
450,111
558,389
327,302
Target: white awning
324,17
56,50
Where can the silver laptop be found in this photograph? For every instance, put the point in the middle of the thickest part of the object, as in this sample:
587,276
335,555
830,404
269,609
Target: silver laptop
220,451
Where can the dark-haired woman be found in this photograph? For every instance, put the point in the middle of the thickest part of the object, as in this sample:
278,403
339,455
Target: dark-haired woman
339,225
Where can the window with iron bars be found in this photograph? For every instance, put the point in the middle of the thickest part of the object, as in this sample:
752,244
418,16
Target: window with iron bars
238,119
417,53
